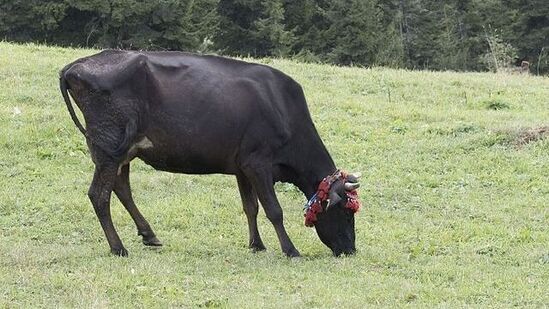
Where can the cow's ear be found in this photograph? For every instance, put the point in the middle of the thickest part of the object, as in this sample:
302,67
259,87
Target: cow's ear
334,199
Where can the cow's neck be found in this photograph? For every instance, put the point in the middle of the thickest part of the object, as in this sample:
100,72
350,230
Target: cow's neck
316,164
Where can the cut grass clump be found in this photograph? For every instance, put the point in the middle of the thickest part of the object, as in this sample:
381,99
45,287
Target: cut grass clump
514,137
496,104
522,136
527,136
464,128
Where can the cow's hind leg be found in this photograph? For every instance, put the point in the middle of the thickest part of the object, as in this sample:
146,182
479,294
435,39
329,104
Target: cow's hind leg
262,181
100,196
123,192
249,202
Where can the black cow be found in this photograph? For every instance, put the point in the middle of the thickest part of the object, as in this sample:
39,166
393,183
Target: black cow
186,113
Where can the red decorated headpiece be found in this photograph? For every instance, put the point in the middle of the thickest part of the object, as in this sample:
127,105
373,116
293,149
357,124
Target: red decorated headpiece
314,205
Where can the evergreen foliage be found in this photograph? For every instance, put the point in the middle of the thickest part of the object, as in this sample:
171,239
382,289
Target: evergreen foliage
419,34
354,31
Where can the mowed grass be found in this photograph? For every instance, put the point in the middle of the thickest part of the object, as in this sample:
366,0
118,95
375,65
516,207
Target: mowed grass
455,210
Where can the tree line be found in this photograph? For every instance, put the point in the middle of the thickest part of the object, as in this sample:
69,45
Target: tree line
461,35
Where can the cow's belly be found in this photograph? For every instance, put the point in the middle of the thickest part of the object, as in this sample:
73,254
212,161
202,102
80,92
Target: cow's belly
185,164
193,138
182,158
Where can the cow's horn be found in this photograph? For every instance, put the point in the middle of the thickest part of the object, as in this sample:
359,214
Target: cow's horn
356,175
349,186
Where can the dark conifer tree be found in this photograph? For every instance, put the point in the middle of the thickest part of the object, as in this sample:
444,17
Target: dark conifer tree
531,33
354,31
434,34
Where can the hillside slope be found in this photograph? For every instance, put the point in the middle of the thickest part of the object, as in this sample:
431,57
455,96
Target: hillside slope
455,200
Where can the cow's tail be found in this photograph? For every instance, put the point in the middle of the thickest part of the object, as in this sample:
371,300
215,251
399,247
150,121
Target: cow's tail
64,86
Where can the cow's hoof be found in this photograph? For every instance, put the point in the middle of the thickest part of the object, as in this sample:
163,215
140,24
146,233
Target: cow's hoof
292,253
152,241
257,248
120,252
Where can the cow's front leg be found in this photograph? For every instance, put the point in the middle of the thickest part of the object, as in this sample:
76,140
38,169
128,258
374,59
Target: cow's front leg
100,196
122,189
249,202
262,181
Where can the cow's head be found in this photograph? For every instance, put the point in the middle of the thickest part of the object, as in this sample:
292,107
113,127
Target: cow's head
335,222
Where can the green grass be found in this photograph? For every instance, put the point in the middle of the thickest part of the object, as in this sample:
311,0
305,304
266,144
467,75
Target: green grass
455,213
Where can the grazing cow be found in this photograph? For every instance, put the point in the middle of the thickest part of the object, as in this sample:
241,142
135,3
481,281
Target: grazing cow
186,113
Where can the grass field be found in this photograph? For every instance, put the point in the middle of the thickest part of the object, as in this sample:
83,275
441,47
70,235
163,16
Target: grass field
455,200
